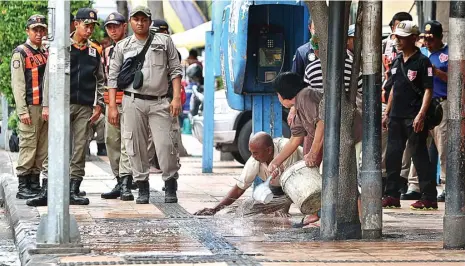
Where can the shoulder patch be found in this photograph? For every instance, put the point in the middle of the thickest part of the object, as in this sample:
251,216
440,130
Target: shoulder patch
16,64
97,46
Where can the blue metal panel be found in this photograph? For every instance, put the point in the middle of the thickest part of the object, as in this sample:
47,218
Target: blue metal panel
257,114
218,11
235,101
208,106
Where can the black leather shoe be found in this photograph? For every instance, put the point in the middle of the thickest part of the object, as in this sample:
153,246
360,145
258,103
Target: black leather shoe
34,183
411,195
171,186
126,194
74,198
23,188
115,192
144,192
442,196
41,199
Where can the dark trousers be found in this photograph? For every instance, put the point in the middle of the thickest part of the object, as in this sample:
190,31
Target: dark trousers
399,131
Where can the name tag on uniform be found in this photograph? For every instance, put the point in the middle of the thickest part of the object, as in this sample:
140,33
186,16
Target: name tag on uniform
155,46
92,52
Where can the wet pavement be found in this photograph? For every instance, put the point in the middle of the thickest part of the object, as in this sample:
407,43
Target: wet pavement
126,233
8,252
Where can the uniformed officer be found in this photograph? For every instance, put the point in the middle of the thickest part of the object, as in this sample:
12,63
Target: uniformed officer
116,26
27,72
86,98
406,112
304,55
148,108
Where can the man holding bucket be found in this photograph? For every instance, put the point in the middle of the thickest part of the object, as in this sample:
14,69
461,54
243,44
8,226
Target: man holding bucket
264,149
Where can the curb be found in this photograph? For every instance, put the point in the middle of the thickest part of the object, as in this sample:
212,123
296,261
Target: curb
23,219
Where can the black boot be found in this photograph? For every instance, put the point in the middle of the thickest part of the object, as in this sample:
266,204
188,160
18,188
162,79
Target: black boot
41,199
101,149
115,192
171,186
74,198
23,188
144,192
34,183
126,194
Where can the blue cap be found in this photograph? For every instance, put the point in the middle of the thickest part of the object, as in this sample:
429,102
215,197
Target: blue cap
351,31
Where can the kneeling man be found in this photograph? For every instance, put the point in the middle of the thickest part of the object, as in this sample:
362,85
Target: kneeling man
264,149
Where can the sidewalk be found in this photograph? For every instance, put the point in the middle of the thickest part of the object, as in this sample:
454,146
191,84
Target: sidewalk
123,233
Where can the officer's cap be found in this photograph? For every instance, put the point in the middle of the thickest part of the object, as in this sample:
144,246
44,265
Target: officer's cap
115,18
433,28
159,25
35,21
406,28
87,15
142,9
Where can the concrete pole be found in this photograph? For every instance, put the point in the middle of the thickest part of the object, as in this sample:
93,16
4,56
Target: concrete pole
454,217
208,105
57,229
335,86
372,212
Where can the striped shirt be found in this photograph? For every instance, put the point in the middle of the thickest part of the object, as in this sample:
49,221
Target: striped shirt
314,76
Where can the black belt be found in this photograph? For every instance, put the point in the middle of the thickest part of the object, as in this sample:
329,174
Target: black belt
144,97
441,99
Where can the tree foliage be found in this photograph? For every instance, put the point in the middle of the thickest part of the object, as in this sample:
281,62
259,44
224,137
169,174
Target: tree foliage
13,17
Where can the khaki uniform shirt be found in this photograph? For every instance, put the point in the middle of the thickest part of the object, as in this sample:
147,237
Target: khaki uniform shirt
18,82
254,168
161,60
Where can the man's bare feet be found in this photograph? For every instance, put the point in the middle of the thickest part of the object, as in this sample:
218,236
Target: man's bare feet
312,225
310,219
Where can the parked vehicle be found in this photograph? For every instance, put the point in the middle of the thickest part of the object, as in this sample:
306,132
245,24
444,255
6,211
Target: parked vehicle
232,128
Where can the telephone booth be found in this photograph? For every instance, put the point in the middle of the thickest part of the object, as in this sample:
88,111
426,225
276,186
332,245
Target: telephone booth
251,42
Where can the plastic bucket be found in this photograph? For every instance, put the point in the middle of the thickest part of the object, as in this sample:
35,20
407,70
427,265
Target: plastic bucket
262,192
303,186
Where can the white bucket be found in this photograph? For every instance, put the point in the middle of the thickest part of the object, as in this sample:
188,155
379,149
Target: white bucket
262,192
303,185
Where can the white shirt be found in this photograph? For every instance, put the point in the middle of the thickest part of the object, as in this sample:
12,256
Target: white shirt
254,168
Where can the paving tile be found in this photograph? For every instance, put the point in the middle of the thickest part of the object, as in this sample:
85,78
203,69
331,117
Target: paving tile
90,258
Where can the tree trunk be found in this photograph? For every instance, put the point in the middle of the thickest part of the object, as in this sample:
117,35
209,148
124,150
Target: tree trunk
122,7
347,211
157,9
348,222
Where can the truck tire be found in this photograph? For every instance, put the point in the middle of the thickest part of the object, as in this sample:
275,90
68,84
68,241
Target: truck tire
237,156
244,137
243,140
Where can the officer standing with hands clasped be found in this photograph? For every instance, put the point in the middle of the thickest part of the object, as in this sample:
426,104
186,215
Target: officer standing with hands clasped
27,72
140,65
86,100
116,25
406,112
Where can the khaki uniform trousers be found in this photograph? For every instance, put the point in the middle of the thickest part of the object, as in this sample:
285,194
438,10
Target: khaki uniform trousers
33,143
142,117
79,132
439,136
117,155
